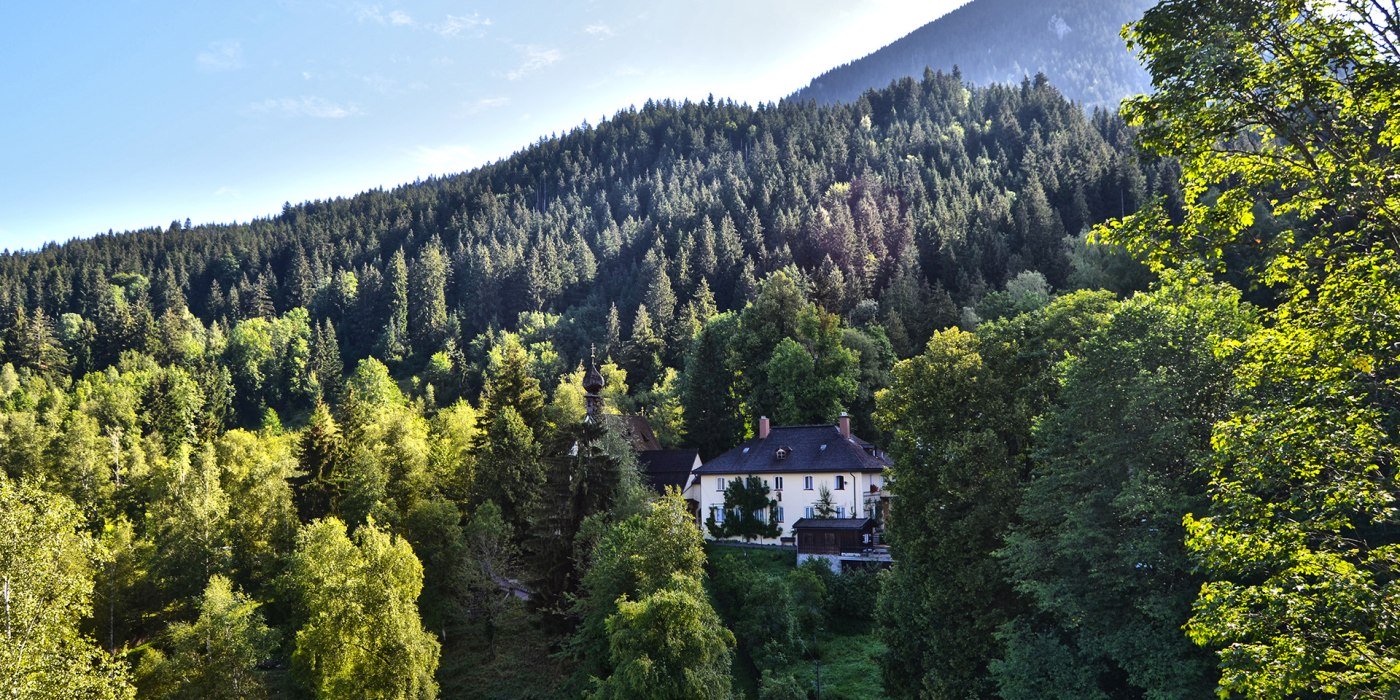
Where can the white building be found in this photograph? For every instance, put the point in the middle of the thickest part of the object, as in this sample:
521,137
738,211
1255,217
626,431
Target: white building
795,462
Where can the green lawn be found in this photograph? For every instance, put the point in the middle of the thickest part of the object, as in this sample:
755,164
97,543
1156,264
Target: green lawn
848,664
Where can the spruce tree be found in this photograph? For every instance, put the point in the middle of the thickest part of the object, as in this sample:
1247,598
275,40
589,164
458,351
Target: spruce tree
710,401
428,299
320,453
642,354
393,341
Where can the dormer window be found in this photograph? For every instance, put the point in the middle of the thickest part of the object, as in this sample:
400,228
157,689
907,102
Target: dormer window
782,453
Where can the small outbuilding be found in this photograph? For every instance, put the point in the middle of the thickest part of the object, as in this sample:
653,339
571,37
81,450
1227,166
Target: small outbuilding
841,541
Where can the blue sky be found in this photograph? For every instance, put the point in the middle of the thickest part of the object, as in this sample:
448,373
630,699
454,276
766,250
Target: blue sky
123,114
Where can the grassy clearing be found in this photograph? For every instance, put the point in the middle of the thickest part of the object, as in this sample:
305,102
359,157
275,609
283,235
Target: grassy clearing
848,664
847,651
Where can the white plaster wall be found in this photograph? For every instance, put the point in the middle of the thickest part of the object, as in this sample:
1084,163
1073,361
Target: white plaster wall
795,499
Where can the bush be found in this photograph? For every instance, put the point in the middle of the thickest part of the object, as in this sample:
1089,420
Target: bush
851,594
773,686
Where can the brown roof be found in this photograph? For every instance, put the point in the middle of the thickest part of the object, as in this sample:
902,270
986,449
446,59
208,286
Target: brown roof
637,430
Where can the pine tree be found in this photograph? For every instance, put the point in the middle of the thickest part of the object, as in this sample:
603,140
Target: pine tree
612,342
825,506
509,471
582,480
510,384
659,298
167,294
393,342
428,299
300,282
326,362
642,354
320,453
709,393
257,303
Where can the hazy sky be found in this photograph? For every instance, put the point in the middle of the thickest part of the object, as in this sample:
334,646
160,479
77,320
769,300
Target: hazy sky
124,114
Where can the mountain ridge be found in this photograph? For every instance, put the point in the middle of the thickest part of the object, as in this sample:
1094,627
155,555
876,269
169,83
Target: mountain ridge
1086,58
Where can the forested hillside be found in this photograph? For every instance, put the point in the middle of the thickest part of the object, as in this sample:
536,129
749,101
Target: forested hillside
1075,43
343,452
376,402
920,198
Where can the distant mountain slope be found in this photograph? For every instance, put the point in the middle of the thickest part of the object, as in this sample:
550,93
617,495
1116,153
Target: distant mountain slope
1076,43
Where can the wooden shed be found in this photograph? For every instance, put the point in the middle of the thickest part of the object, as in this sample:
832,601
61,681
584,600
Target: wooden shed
833,536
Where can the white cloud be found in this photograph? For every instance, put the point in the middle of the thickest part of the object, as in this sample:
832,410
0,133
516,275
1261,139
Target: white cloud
599,29
227,191
304,106
454,24
451,158
449,27
486,103
536,57
221,56
369,13
376,14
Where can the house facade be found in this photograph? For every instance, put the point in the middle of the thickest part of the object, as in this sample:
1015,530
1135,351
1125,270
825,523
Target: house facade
795,463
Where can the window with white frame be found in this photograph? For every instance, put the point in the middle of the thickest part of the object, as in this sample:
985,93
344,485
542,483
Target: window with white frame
840,482
840,511
778,483
807,483
810,512
717,513
720,483
780,514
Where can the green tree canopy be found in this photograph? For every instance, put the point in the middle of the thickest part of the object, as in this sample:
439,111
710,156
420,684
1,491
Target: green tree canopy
217,655
1285,110
1120,459
961,414
648,629
46,588
361,635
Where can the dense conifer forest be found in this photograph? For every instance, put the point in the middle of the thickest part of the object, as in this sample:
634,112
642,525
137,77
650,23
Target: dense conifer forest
1138,376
